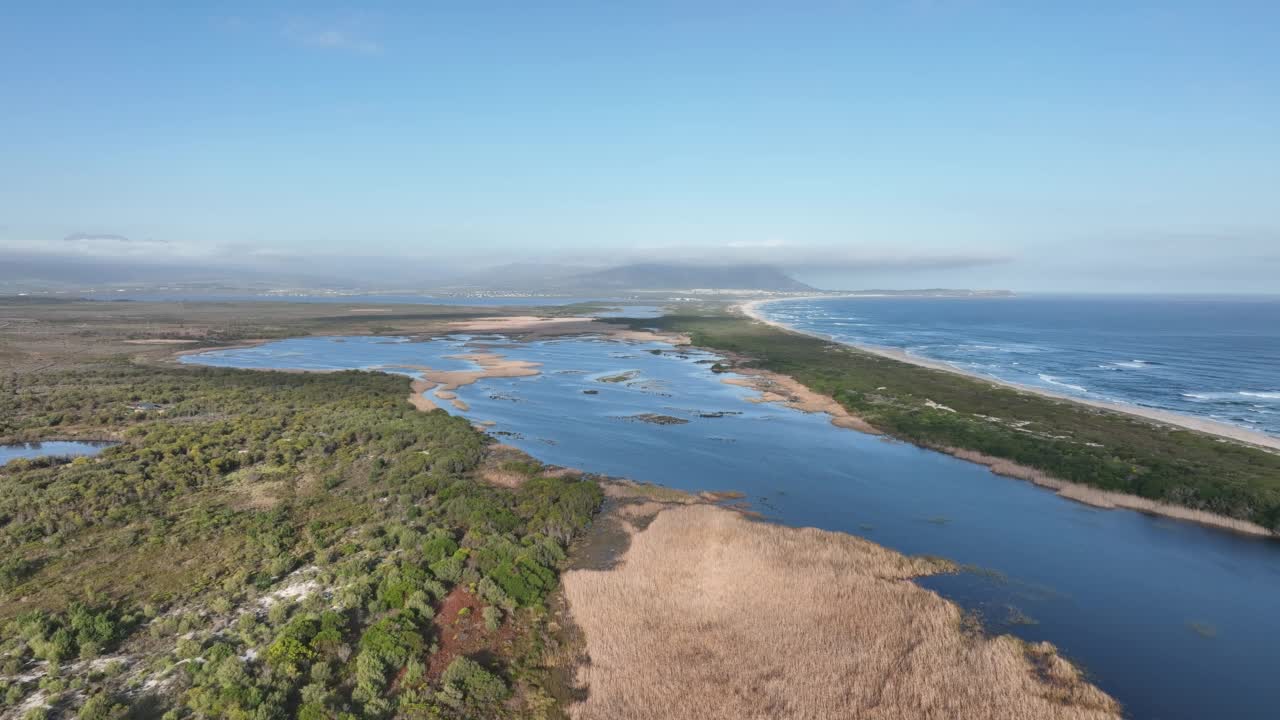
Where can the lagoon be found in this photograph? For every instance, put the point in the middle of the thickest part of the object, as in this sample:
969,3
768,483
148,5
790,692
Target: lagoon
1173,619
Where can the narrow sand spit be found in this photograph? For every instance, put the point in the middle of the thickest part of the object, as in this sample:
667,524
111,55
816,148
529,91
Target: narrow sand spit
241,345
711,616
1074,491
1166,417
453,398
536,327
445,382
416,397
774,387
492,365
1105,498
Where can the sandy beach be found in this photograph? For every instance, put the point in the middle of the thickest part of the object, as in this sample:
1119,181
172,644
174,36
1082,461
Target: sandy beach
1164,417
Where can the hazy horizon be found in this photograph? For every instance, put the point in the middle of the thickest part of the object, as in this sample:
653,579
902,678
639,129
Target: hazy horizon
1090,148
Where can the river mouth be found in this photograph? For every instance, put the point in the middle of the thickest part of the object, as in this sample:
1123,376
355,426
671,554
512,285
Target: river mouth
1173,619
52,448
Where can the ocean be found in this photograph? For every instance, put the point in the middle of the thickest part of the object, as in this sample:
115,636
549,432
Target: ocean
1209,357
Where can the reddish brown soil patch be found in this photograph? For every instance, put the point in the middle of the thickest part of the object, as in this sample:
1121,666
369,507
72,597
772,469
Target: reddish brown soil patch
464,634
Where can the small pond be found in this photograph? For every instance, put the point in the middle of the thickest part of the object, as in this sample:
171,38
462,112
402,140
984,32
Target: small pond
51,448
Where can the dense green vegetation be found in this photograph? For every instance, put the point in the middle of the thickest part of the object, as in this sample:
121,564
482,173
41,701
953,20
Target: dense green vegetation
1067,440
266,545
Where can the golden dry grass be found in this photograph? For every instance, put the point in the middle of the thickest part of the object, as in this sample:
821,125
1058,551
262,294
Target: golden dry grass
711,616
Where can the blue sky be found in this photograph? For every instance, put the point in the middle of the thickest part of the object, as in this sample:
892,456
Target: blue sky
1123,146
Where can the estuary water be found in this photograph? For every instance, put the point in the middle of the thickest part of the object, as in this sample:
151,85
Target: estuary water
1211,357
1173,619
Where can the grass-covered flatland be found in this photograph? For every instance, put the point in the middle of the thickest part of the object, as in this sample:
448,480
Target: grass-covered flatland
1070,441
269,545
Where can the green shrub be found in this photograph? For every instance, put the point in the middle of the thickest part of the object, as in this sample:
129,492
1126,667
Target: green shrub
492,617
102,707
469,686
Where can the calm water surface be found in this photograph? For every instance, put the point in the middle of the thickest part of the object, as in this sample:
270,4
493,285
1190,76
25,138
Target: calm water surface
52,448
1175,620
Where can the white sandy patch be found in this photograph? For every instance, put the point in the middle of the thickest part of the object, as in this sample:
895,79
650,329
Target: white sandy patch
297,585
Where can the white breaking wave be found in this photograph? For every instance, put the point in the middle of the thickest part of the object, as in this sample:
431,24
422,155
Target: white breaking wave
1055,381
1131,364
1236,396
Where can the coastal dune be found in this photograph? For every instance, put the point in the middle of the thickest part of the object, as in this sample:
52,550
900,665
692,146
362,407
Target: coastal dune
712,616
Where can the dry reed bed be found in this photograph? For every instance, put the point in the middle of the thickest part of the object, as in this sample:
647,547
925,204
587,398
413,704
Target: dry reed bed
712,616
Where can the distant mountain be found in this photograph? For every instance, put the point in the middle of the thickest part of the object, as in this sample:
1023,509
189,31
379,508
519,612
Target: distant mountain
669,276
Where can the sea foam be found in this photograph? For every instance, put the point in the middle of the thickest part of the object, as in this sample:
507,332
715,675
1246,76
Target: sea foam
1055,381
